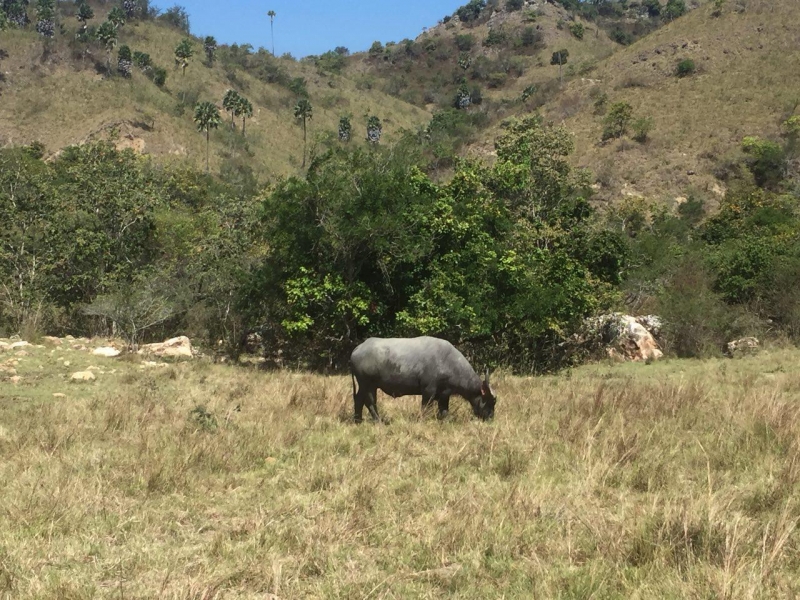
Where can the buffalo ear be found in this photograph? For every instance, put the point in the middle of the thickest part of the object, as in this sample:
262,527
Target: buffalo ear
485,390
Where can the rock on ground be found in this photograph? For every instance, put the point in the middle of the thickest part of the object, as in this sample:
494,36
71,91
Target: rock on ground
618,336
106,351
83,376
178,347
743,346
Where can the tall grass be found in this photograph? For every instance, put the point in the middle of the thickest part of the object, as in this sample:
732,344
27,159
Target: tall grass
676,479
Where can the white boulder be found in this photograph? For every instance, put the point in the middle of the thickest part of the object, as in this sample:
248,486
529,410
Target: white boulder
180,347
83,376
106,351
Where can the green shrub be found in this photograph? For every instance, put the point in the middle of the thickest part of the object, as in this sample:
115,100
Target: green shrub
578,30
376,49
159,76
464,42
496,37
685,68
471,11
642,128
497,79
621,37
616,122
766,160
530,37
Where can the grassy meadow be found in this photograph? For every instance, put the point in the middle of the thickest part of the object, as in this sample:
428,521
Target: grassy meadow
197,480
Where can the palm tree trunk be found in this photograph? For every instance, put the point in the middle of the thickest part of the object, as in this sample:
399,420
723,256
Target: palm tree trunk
272,34
208,139
304,142
243,132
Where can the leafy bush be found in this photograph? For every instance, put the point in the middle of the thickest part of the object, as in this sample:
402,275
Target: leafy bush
471,11
685,68
675,9
496,37
176,17
464,42
497,80
159,76
642,128
578,30
531,37
616,122
766,160
621,37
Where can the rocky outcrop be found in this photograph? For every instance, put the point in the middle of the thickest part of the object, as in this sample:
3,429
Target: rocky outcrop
743,346
618,336
179,347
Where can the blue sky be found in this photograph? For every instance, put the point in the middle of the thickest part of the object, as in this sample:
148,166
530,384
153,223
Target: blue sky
305,27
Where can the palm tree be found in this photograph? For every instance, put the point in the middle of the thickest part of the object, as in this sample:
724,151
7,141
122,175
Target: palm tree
45,18
206,115
229,102
271,15
243,109
183,52
560,58
116,17
85,14
303,110
210,47
130,7
107,35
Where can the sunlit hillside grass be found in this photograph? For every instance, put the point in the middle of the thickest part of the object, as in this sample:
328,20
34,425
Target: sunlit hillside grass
672,480
747,82
60,99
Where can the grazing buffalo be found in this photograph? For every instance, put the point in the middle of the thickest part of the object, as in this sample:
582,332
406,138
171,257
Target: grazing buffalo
422,366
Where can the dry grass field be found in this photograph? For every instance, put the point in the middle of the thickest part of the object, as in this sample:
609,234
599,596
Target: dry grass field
199,481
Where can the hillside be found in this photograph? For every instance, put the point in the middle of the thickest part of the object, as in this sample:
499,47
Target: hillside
500,61
63,96
746,84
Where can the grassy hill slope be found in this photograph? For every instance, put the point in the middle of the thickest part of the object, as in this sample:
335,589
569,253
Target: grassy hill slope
747,83
59,99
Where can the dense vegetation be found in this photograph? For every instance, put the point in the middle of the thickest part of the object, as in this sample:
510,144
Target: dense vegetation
505,259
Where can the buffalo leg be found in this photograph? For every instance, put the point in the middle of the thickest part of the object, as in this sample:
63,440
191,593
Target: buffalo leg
372,405
444,406
358,401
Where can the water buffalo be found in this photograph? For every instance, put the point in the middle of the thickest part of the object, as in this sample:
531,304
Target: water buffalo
422,366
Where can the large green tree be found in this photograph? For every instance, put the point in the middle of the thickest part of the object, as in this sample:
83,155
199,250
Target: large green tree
502,260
